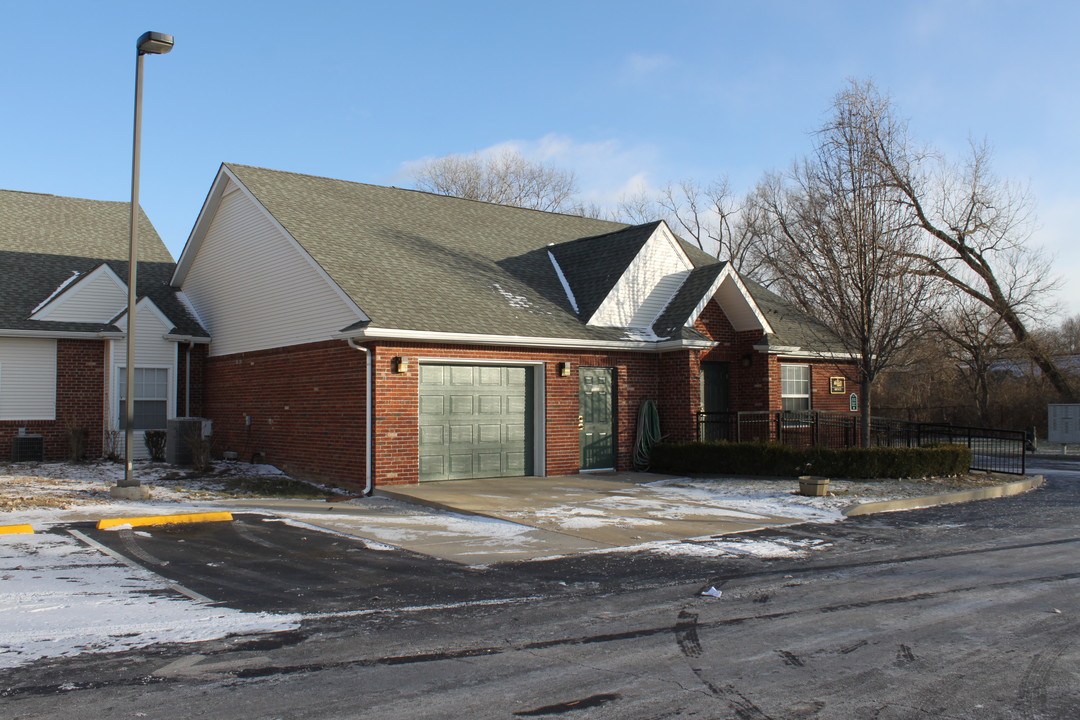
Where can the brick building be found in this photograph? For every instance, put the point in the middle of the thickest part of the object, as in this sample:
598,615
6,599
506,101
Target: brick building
369,335
63,302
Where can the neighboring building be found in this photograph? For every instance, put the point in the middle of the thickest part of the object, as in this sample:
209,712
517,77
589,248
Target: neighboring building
476,340
63,319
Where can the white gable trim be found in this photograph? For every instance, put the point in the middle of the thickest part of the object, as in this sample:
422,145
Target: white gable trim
648,284
225,184
736,302
70,288
148,304
565,284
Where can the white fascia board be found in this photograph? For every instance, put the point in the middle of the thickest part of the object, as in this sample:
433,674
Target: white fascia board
421,336
68,291
795,351
62,335
169,337
220,189
734,292
201,227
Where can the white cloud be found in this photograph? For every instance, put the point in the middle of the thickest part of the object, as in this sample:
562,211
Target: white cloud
605,170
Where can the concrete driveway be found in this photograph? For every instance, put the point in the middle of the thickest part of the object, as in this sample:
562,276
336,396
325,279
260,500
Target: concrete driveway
481,522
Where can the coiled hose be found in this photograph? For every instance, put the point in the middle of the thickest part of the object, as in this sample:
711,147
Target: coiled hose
648,434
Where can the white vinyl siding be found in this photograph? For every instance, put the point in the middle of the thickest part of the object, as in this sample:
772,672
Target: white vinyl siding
795,387
646,287
152,353
254,288
27,379
96,298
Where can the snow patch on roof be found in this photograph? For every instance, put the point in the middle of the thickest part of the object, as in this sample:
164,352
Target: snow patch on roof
516,301
74,276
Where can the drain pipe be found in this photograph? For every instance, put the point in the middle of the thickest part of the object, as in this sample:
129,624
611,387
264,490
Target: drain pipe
368,480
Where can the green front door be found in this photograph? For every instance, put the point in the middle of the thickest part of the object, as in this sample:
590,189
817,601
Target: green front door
597,417
475,421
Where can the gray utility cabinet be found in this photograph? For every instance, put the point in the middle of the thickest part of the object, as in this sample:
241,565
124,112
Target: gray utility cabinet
1063,423
177,432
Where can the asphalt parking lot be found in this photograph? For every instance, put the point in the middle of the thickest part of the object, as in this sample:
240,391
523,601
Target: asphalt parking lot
260,563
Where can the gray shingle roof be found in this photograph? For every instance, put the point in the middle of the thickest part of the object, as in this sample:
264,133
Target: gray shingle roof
417,261
791,326
593,265
46,238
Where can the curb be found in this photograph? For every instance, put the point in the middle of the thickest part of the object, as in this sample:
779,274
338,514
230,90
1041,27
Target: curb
985,493
105,524
16,530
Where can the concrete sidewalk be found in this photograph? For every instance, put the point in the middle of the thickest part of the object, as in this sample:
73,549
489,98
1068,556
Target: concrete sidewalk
480,522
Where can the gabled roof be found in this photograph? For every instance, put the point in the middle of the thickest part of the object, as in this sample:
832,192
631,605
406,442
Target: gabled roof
48,243
420,265
793,328
593,265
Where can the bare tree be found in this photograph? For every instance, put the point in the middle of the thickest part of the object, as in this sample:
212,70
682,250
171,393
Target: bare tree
708,215
975,340
979,224
839,244
507,178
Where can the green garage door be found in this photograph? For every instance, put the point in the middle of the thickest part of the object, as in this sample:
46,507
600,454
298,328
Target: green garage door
475,421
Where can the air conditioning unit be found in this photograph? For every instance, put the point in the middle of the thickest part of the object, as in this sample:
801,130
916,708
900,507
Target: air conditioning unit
27,448
178,431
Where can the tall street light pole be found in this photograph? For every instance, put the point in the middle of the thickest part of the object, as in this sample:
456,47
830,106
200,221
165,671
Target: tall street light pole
149,43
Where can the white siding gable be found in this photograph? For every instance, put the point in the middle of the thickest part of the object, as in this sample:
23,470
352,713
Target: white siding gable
736,302
27,379
97,297
254,287
151,347
647,287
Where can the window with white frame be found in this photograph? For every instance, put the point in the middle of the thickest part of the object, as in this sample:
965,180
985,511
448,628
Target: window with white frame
795,388
151,398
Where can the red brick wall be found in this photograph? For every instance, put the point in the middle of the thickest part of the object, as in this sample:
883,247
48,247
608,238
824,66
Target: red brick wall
80,400
305,404
396,402
820,373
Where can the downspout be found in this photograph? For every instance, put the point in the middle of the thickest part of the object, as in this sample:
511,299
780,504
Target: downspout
187,380
368,480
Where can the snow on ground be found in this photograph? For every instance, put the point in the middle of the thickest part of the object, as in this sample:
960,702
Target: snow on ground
59,597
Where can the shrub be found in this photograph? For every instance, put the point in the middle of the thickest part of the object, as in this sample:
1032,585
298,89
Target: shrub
775,459
155,444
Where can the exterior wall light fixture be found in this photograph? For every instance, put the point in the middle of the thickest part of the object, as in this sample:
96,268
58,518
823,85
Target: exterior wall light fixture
400,364
563,369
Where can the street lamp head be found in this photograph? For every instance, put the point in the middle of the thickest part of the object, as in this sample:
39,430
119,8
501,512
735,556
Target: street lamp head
154,43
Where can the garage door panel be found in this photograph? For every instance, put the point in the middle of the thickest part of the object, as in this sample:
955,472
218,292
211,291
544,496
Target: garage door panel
462,404
490,405
432,435
489,433
461,375
432,467
485,416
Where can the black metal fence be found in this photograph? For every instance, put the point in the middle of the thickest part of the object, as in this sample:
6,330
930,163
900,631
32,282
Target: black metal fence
992,450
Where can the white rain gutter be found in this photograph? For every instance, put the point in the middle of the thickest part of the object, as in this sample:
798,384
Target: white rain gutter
368,479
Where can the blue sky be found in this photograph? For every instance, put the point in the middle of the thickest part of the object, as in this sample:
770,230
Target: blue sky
624,93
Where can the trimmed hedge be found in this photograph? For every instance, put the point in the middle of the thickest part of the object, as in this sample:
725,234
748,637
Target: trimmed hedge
775,459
